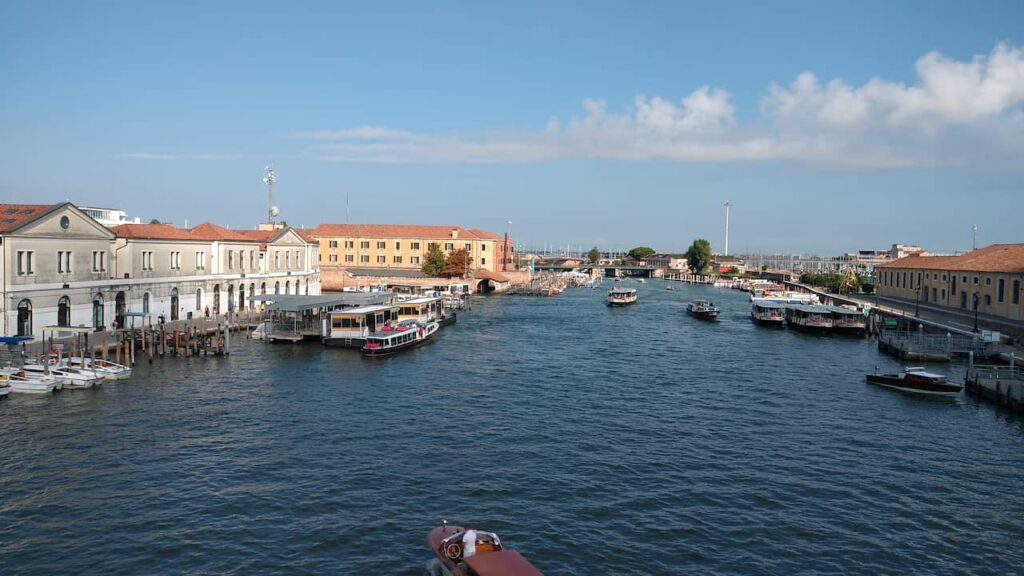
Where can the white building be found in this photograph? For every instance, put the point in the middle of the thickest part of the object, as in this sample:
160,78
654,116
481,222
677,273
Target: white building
108,216
61,267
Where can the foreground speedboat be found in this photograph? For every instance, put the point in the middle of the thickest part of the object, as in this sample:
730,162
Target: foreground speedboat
104,368
491,558
917,380
703,309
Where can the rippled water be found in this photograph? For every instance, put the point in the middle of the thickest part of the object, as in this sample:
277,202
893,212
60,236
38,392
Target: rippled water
595,440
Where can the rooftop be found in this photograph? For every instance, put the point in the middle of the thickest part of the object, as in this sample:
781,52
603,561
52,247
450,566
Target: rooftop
410,231
153,232
12,216
998,258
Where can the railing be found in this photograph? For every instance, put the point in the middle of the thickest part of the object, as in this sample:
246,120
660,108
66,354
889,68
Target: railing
954,343
993,372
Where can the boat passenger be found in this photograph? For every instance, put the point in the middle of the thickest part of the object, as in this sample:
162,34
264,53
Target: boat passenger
468,542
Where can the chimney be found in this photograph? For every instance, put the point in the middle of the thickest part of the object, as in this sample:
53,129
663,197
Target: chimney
455,233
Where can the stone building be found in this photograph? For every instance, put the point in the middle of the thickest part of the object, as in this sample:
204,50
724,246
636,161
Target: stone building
994,274
62,268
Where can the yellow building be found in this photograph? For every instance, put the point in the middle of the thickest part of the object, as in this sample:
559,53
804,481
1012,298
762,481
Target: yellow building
404,247
995,274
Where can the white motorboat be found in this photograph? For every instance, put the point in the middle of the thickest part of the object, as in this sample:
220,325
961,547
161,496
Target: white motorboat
104,368
5,388
69,377
20,382
261,331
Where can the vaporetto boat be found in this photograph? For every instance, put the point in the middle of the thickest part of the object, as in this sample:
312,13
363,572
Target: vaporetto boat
810,318
620,296
403,337
768,313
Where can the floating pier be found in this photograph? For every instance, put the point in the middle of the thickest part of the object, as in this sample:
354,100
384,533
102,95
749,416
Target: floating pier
1002,385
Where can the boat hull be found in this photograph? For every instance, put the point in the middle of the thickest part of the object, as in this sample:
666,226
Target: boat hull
709,316
618,303
894,382
447,320
772,322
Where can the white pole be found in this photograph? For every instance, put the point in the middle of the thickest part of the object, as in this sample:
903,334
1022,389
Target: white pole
727,206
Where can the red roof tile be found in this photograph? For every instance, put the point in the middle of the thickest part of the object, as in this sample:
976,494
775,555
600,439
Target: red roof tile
998,258
12,216
153,232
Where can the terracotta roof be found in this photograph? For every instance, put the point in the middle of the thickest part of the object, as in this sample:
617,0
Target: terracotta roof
214,233
998,258
12,216
153,232
307,235
399,231
484,234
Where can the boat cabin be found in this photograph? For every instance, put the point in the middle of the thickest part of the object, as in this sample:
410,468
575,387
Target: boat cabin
423,309
809,317
354,324
847,320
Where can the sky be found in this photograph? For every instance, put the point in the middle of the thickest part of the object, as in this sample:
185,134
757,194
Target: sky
830,126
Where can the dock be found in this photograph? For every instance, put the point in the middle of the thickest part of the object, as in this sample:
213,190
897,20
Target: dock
1001,385
922,346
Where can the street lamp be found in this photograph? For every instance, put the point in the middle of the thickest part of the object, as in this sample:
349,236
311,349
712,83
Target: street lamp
975,312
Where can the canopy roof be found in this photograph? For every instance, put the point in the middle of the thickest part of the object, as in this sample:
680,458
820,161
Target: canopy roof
298,303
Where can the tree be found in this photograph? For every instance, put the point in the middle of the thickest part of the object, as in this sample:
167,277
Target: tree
641,252
434,262
594,255
458,263
698,256
155,221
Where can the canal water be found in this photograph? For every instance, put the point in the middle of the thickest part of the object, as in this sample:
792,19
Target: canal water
595,440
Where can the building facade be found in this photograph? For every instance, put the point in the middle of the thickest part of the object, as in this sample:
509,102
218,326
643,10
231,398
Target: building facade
62,268
994,275
402,247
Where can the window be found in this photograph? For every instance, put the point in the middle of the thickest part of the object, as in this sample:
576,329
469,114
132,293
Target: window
288,260
1016,291
349,244
147,260
364,259
952,288
252,259
988,299
382,245
175,261
382,259
277,261
415,245
241,259
200,260
365,244
988,281
1002,290
469,247
397,260
414,260
975,280
398,245
483,247
449,246
231,260
483,261
349,258
63,262
432,245
332,244
25,262
145,303
333,258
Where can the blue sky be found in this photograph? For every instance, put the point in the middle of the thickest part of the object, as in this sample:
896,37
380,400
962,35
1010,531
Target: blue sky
830,126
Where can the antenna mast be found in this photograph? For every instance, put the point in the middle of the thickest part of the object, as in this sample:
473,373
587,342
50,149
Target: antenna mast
727,206
268,179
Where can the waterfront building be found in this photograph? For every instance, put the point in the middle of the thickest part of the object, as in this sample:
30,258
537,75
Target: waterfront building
991,278
670,262
61,267
404,247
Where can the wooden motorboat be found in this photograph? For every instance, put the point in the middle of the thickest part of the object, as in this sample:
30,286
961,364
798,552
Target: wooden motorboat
619,296
916,379
21,382
69,377
391,341
447,318
703,309
491,558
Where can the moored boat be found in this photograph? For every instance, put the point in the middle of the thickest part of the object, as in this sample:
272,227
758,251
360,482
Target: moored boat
809,318
69,377
5,388
405,336
768,313
104,368
703,309
619,296
918,380
447,318
847,321
23,383
490,559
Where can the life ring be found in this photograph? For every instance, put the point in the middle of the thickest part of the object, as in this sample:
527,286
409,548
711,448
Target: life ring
453,551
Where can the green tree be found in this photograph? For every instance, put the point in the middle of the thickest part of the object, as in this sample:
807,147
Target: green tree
459,263
594,255
698,256
434,262
641,252
155,221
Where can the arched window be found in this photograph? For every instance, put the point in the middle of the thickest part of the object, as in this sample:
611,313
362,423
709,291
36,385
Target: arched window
145,303
252,292
25,318
231,298
199,299
174,304
97,312
64,311
216,299
288,287
263,288
277,287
